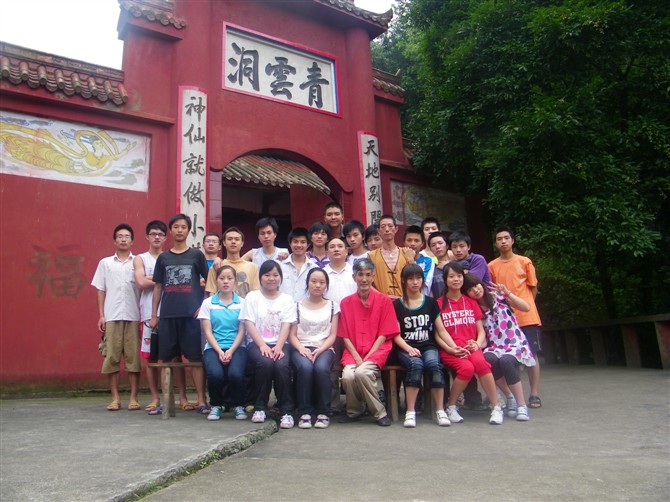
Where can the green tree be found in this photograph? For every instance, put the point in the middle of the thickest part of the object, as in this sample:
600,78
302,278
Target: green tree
558,112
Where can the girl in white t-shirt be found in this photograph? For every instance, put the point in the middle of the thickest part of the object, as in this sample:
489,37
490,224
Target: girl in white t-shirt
268,315
312,338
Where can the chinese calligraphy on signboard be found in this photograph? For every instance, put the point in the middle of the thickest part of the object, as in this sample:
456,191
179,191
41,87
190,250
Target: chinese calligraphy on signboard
371,177
280,71
51,149
192,160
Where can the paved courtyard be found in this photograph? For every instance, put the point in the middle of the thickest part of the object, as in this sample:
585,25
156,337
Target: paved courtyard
603,434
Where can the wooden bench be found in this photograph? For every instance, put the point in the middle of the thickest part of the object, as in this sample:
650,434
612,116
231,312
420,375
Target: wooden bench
167,383
392,375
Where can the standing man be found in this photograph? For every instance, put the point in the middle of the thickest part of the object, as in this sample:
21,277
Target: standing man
367,326
143,265
119,316
333,216
211,246
389,259
247,272
518,274
178,291
296,267
429,225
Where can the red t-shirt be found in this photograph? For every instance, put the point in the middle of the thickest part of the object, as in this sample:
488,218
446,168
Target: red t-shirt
363,325
460,318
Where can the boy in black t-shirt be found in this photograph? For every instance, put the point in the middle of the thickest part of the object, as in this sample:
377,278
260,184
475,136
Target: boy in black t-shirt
179,292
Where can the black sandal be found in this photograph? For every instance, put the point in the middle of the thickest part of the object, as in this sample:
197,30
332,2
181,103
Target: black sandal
535,402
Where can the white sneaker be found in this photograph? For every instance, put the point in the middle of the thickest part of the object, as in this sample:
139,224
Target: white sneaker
286,422
258,417
496,415
522,414
410,419
442,418
453,415
511,406
322,422
305,422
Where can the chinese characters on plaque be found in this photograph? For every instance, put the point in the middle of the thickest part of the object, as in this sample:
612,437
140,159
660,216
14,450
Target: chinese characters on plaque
192,160
370,170
279,71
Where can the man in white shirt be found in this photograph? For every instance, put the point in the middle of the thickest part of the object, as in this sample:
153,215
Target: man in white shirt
119,316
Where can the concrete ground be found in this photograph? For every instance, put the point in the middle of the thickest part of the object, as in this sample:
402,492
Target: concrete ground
602,434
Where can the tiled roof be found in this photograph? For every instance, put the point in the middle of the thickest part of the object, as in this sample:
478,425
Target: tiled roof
387,82
272,171
348,6
155,11
57,74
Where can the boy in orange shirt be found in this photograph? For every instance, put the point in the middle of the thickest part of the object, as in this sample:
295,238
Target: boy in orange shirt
518,274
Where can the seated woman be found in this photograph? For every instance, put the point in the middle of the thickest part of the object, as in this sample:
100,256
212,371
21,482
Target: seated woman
312,337
462,319
225,356
419,319
507,347
268,315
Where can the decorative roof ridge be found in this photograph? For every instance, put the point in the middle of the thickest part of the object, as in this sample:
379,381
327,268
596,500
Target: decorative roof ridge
387,82
153,11
382,20
49,59
20,65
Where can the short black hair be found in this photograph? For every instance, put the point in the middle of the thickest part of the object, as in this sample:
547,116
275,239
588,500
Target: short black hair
371,231
211,234
318,226
268,266
124,226
180,216
460,236
267,222
388,217
352,225
332,204
438,234
430,219
156,225
233,229
503,228
298,232
414,229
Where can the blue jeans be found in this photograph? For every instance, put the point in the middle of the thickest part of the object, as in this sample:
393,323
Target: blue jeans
267,371
429,361
218,374
315,376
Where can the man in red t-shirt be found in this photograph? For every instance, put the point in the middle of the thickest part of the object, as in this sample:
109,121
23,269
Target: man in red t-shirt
367,326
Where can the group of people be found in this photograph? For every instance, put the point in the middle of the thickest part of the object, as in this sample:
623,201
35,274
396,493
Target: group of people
331,311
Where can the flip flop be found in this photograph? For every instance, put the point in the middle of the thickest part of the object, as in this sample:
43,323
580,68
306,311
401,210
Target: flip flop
535,402
188,406
158,410
134,406
203,409
151,406
114,406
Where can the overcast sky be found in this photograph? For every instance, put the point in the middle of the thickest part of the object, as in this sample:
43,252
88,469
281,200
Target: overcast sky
80,29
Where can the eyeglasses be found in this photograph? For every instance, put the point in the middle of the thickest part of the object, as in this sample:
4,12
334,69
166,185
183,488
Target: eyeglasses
156,234
124,237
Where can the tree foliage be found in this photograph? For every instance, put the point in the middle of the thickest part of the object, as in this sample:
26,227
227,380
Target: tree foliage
558,113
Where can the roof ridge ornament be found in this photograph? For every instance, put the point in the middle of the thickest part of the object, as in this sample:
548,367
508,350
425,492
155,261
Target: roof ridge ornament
155,11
